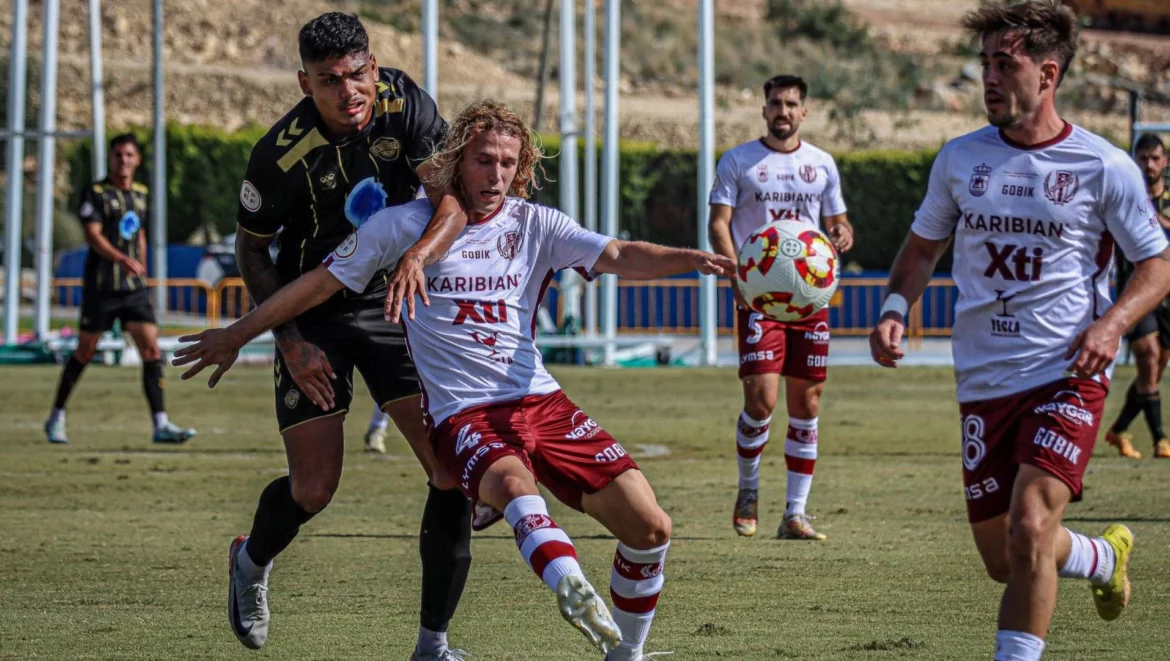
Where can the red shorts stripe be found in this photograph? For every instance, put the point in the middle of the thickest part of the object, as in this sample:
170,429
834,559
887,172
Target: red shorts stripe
633,604
635,571
798,465
547,552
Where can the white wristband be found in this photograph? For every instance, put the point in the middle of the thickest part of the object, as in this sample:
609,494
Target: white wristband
895,303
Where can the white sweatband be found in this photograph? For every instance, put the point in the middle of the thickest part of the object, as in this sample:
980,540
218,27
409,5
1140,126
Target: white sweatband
895,303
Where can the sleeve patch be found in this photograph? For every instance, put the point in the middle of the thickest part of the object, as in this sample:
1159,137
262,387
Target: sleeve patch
250,197
347,247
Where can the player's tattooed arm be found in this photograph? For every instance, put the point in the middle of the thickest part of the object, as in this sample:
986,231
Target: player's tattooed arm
261,277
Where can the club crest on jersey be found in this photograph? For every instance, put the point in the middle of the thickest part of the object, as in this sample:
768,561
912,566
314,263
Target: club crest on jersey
1060,186
980,179
509,245
762,173
386,148
808,174
129,225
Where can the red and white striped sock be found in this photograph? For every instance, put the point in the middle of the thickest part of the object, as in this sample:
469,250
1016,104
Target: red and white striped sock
751,436
634,586
545,547
800,453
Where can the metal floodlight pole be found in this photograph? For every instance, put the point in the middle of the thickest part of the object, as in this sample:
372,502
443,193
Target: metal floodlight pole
609,167
17,65
590,178
430,30
158,197
707,299
570,281
96,91
46,155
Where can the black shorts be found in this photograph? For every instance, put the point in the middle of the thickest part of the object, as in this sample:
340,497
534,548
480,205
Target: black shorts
1157,322
359,338
99,309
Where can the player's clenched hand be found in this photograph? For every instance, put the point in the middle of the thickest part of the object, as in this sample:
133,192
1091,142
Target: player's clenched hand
1095,348
310,370
712,264
885,342
211,347
132,266
841,235
406,282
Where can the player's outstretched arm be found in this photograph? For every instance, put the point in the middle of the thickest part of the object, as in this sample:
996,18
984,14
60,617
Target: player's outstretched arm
909,276
221,346
1096,347
638,260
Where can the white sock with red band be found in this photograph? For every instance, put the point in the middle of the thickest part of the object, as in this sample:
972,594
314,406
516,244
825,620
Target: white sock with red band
800,454
634,586
1093,559
751,436
545,547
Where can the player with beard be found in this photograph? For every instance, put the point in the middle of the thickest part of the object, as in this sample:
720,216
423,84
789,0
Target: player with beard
1034,206
778,177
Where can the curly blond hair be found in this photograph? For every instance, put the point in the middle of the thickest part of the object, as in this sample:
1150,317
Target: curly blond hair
476,118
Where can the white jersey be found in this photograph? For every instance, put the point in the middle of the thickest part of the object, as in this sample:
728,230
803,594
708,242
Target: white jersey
1034,230
765,185
474,344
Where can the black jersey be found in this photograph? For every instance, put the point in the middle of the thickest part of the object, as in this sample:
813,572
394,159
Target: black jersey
121,214
301,180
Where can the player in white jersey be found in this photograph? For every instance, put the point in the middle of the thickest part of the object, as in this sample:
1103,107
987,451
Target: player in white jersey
1033,205
778,177
500,421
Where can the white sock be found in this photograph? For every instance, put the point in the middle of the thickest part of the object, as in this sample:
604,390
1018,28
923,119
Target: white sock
1093,559
751,436
800,454
249,568
431,641
1017,646
160,420
545,547
634,585
57,415
379,420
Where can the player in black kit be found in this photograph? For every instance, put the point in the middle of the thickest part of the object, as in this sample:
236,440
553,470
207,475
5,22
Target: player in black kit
356,143
114,287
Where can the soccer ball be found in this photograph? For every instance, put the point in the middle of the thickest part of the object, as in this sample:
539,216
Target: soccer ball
788,270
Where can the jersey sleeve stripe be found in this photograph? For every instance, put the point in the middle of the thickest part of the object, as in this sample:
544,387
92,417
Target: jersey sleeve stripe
248,231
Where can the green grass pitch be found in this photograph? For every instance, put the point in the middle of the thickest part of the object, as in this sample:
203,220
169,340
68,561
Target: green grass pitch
113,549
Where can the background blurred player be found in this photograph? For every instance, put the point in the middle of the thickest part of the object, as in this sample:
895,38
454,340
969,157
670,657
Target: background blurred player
1033,205
114,287
778,177
375,438
502,422
357,141
1149,340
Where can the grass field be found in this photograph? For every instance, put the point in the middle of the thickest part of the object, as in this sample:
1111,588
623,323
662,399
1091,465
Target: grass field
113,549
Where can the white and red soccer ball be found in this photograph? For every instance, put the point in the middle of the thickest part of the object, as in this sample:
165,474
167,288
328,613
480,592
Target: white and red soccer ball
788,270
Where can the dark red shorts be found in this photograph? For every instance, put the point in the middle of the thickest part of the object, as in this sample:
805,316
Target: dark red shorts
798,349
1052,428
569,453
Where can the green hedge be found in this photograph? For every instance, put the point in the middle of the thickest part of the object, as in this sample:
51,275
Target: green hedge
658,188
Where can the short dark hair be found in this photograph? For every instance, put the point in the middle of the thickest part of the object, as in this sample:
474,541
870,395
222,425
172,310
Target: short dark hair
1046,27
784,81
124,139
332,35
1149,142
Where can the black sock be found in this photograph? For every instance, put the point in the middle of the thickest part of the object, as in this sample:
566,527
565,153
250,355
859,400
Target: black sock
445,546
1152,407
69,377
152,384
1133,406
278,520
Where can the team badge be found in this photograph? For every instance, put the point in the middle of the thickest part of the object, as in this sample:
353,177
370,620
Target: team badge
509,245
129,225
979,180
249,197
1060,186
808,174
762,173
386,148
292,398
